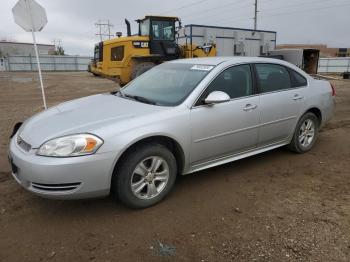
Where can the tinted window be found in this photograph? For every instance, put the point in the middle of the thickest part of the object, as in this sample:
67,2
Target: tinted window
235,81
297,79
272,77
117,53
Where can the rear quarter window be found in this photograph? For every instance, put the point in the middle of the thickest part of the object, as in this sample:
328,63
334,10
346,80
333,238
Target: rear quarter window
297,79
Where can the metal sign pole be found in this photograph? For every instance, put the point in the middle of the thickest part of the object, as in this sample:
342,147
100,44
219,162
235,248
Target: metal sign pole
31,16
39,69
36,54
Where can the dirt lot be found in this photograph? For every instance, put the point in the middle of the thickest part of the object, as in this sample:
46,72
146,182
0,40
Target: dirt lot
276,206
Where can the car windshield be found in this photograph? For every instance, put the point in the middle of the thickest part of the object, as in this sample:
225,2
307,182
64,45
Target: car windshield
168,84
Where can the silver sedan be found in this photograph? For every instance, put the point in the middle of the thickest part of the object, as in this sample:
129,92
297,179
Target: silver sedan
177,118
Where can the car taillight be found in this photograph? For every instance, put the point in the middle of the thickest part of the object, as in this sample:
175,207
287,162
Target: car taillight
333,89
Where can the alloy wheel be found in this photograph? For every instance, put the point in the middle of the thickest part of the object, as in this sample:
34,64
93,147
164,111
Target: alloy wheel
307,133
150,177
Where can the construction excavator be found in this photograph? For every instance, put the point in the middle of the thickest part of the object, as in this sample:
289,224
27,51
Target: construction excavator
124,58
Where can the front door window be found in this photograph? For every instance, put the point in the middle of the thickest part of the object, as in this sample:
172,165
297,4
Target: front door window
163,30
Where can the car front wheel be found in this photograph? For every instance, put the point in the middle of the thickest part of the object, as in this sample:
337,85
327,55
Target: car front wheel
305,134
145,176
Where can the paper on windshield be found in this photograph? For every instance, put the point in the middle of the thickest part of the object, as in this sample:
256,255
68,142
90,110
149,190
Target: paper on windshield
202,67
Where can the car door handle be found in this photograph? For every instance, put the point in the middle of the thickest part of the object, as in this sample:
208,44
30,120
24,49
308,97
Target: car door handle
297,97
249,107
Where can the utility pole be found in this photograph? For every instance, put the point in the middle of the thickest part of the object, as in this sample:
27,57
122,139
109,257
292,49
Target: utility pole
57,43
104,29
256,15
100,31
109,29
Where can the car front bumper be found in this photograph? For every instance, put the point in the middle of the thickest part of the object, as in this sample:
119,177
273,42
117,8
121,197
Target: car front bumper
62,178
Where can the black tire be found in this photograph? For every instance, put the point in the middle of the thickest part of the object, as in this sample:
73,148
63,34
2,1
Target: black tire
295,145
122,177
139,69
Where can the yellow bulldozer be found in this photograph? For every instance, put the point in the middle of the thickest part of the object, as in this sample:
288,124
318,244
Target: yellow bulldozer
125,57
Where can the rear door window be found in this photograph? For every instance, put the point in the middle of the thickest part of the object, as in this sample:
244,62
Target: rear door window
272,77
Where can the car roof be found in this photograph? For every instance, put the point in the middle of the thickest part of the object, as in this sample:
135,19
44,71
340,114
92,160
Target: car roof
216,60
220,59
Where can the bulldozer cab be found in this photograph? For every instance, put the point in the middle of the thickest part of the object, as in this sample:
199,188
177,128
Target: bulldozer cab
161,31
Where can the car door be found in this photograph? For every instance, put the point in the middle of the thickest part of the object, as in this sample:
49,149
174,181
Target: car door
230,127
280,103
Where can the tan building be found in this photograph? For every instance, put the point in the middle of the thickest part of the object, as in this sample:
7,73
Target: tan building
24,49
325,51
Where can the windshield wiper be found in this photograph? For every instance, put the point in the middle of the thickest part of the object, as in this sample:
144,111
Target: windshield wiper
137,98
117,92
140,99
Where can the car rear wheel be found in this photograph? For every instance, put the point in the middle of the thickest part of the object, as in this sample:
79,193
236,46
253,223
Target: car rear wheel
305,134
145,176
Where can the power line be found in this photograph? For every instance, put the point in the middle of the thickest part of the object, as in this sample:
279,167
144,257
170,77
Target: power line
200,12
184,6
57,42
222,11
308,10
241,18
297,4
246,16
104,29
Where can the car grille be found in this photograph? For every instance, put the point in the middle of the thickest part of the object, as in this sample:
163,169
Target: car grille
56,187
22,144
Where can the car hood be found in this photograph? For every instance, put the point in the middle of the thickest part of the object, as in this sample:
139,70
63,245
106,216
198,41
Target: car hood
82,115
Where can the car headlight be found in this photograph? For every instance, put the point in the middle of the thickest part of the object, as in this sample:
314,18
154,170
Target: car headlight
73,145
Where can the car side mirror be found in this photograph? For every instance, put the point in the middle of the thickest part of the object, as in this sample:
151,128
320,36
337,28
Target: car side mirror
217,97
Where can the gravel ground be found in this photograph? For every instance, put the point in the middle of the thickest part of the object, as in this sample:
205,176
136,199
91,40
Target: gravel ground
276,206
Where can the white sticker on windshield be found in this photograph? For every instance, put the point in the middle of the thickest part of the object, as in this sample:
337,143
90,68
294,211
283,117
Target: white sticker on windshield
202,67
